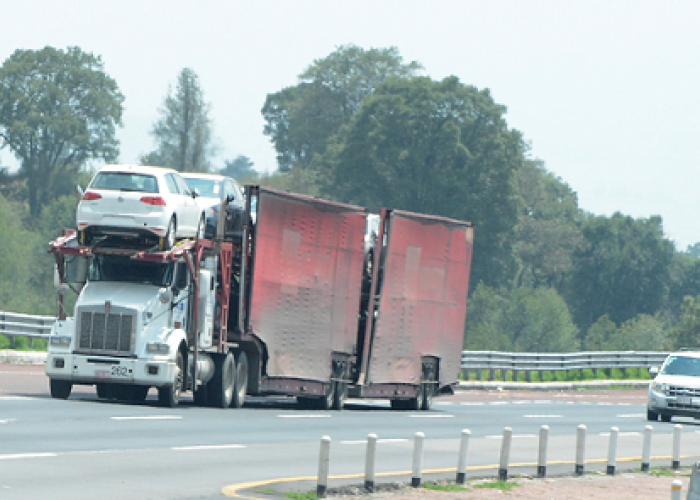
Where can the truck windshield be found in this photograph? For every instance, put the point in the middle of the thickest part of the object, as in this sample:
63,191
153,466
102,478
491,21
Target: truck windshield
682,365
121,268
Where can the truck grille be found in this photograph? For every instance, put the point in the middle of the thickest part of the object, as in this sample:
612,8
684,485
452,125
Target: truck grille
102,333
686,398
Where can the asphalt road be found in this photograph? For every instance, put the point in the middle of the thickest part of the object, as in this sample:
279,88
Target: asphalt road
87,448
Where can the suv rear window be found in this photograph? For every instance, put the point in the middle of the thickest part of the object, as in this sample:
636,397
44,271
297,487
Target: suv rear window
119,181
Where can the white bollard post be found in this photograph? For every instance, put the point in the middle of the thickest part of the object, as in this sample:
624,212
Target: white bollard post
369,462
505,454
417,459
676,464
323,466
542,452
580,449
676,490
646,448
462,460
612,450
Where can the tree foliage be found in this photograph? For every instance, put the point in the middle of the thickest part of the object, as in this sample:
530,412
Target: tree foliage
439,148
58,109
238,168
183,133
301,119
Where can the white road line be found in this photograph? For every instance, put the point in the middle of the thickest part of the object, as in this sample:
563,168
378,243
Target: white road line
542,402
497,403
520,402
364,441
27,455
304,416
451,403
631,415
471,404
543,416
500,436
7,421
604,404
430,416
150,417
622,434
15,398
207,447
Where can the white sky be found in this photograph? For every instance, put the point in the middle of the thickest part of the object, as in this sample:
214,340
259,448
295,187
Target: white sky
606,92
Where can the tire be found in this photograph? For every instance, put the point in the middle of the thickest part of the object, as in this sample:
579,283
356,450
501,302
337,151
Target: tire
169,395
223,382
305,402
168,241
60,389
427,399
341,394
414,404
326,402
201,228
665,417
652,416
241,387
104,391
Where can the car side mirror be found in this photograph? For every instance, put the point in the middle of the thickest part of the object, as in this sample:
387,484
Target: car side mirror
230,198
195,193
654,370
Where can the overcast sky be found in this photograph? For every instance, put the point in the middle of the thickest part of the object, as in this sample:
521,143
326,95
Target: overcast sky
606,92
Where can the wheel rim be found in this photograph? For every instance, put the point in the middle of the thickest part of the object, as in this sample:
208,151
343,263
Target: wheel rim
241,381
228,382
177,386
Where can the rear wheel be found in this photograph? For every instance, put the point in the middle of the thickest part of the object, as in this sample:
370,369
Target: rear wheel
414,404
167,242
326,401
427,399
222,383
341,394
60,389
652,416
241,387
169,395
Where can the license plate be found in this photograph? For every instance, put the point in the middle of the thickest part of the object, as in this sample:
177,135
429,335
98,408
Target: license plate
110,372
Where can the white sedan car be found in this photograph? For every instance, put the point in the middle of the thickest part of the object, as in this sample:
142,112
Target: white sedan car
138,201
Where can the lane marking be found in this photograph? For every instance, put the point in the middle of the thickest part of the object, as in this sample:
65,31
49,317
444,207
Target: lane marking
364,441
207,447
15,398
27,455
150,417
430,416
543,416
7,420
472,404
631,415
622,434
500,436
304,416
498,403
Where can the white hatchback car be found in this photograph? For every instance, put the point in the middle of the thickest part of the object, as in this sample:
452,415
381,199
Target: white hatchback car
139,201
676,388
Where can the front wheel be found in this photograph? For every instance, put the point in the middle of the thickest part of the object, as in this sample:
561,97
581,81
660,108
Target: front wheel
60,389
665,417
169,395
652,416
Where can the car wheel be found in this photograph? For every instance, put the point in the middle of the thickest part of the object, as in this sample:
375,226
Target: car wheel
60,389
241,387
665,417
652,416
169,395
167,242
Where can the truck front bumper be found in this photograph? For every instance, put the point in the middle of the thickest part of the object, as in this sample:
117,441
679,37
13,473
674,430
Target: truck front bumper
88,370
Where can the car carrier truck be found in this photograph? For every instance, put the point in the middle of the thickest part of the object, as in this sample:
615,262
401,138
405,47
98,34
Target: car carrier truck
289,303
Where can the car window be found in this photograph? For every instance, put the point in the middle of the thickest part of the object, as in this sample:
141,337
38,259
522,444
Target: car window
682,365
172,185
125,181
209,188
182,185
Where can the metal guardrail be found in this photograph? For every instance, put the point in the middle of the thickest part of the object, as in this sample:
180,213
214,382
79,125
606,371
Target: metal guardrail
24,325
491,361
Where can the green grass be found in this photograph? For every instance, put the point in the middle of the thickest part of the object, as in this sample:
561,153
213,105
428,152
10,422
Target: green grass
568,376
443,487
667,472
497,485
309,495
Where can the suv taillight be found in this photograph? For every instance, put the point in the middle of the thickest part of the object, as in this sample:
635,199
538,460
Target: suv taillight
153,200
89,196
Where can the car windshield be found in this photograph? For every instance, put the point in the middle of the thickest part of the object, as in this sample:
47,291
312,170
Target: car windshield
682,365
123,268
209,188
124,181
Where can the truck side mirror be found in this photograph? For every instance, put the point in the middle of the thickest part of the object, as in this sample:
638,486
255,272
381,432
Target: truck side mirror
230,198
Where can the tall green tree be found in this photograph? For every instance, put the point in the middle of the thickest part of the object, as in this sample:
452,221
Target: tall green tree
238,168
622,269
183,133
301,119
434,147
549,228
58,109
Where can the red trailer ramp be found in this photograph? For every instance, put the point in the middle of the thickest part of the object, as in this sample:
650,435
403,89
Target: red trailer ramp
422,290
308,258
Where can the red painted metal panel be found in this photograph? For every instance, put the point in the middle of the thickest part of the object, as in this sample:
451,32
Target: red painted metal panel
423,298
306,283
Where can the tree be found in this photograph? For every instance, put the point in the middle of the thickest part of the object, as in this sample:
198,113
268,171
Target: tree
484,325
58,109
599,334
687,332
440,148
239,168
622,269
548,231
693,250
183,133
301,119
641,333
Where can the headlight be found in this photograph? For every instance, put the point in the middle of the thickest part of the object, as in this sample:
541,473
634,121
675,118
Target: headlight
60,340
157,348
658,387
